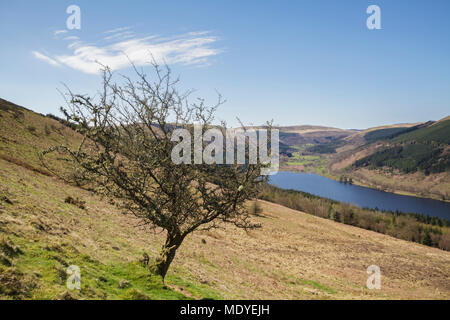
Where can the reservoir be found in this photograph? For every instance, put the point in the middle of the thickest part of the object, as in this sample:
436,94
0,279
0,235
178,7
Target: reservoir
361,196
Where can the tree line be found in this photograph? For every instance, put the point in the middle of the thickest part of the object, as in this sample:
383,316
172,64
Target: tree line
409,158
430,231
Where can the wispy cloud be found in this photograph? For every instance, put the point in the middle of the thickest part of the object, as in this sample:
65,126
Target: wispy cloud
120,35
118,30
45,58
58,32
72,38
189,49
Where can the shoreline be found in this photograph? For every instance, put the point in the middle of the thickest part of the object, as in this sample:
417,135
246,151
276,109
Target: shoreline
360,184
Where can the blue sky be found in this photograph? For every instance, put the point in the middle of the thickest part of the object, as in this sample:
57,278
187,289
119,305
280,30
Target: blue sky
296,62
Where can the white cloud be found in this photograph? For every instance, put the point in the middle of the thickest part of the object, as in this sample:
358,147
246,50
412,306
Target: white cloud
120,36
191,48
118,30
58,32
43,57
71,38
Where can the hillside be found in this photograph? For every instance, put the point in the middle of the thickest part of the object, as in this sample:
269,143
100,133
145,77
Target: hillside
23,134
47,225
411,159
415,160
438,132
420,148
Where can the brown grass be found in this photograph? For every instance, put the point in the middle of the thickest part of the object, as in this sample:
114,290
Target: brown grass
25,165
435,186
294,255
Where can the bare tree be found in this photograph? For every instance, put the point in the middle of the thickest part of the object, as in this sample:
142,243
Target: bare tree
126,155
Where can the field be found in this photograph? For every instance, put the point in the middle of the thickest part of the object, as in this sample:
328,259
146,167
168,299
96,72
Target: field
305,162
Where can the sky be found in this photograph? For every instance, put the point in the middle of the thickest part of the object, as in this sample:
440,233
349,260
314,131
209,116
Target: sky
293,62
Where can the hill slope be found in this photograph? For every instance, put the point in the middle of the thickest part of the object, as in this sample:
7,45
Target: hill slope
415,160
418,149
411,159
294,256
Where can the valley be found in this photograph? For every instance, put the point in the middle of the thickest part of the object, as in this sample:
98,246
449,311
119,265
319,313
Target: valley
47,225
410,159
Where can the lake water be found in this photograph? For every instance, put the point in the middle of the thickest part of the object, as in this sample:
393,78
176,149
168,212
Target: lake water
363,197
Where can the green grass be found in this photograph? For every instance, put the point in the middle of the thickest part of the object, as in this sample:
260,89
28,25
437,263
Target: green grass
202,291
311,284
317,285
53,235
44,267
438,133
312,163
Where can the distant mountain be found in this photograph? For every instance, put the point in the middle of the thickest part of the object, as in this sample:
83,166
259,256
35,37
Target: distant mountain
419,148
412,158
390,133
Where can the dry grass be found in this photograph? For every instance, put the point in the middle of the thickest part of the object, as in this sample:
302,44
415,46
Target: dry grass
294,256
435,185
347,156
21,146
24,164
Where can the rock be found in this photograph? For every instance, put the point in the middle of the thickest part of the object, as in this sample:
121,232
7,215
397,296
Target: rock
124,284
6,200
66,296
5,261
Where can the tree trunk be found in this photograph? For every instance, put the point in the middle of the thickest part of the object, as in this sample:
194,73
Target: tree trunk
168,251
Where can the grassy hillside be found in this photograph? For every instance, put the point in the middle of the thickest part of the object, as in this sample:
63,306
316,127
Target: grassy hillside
294,256
412,159
408,158
292,138
387,133
423,229
23,134
47,225
424,149
438,132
